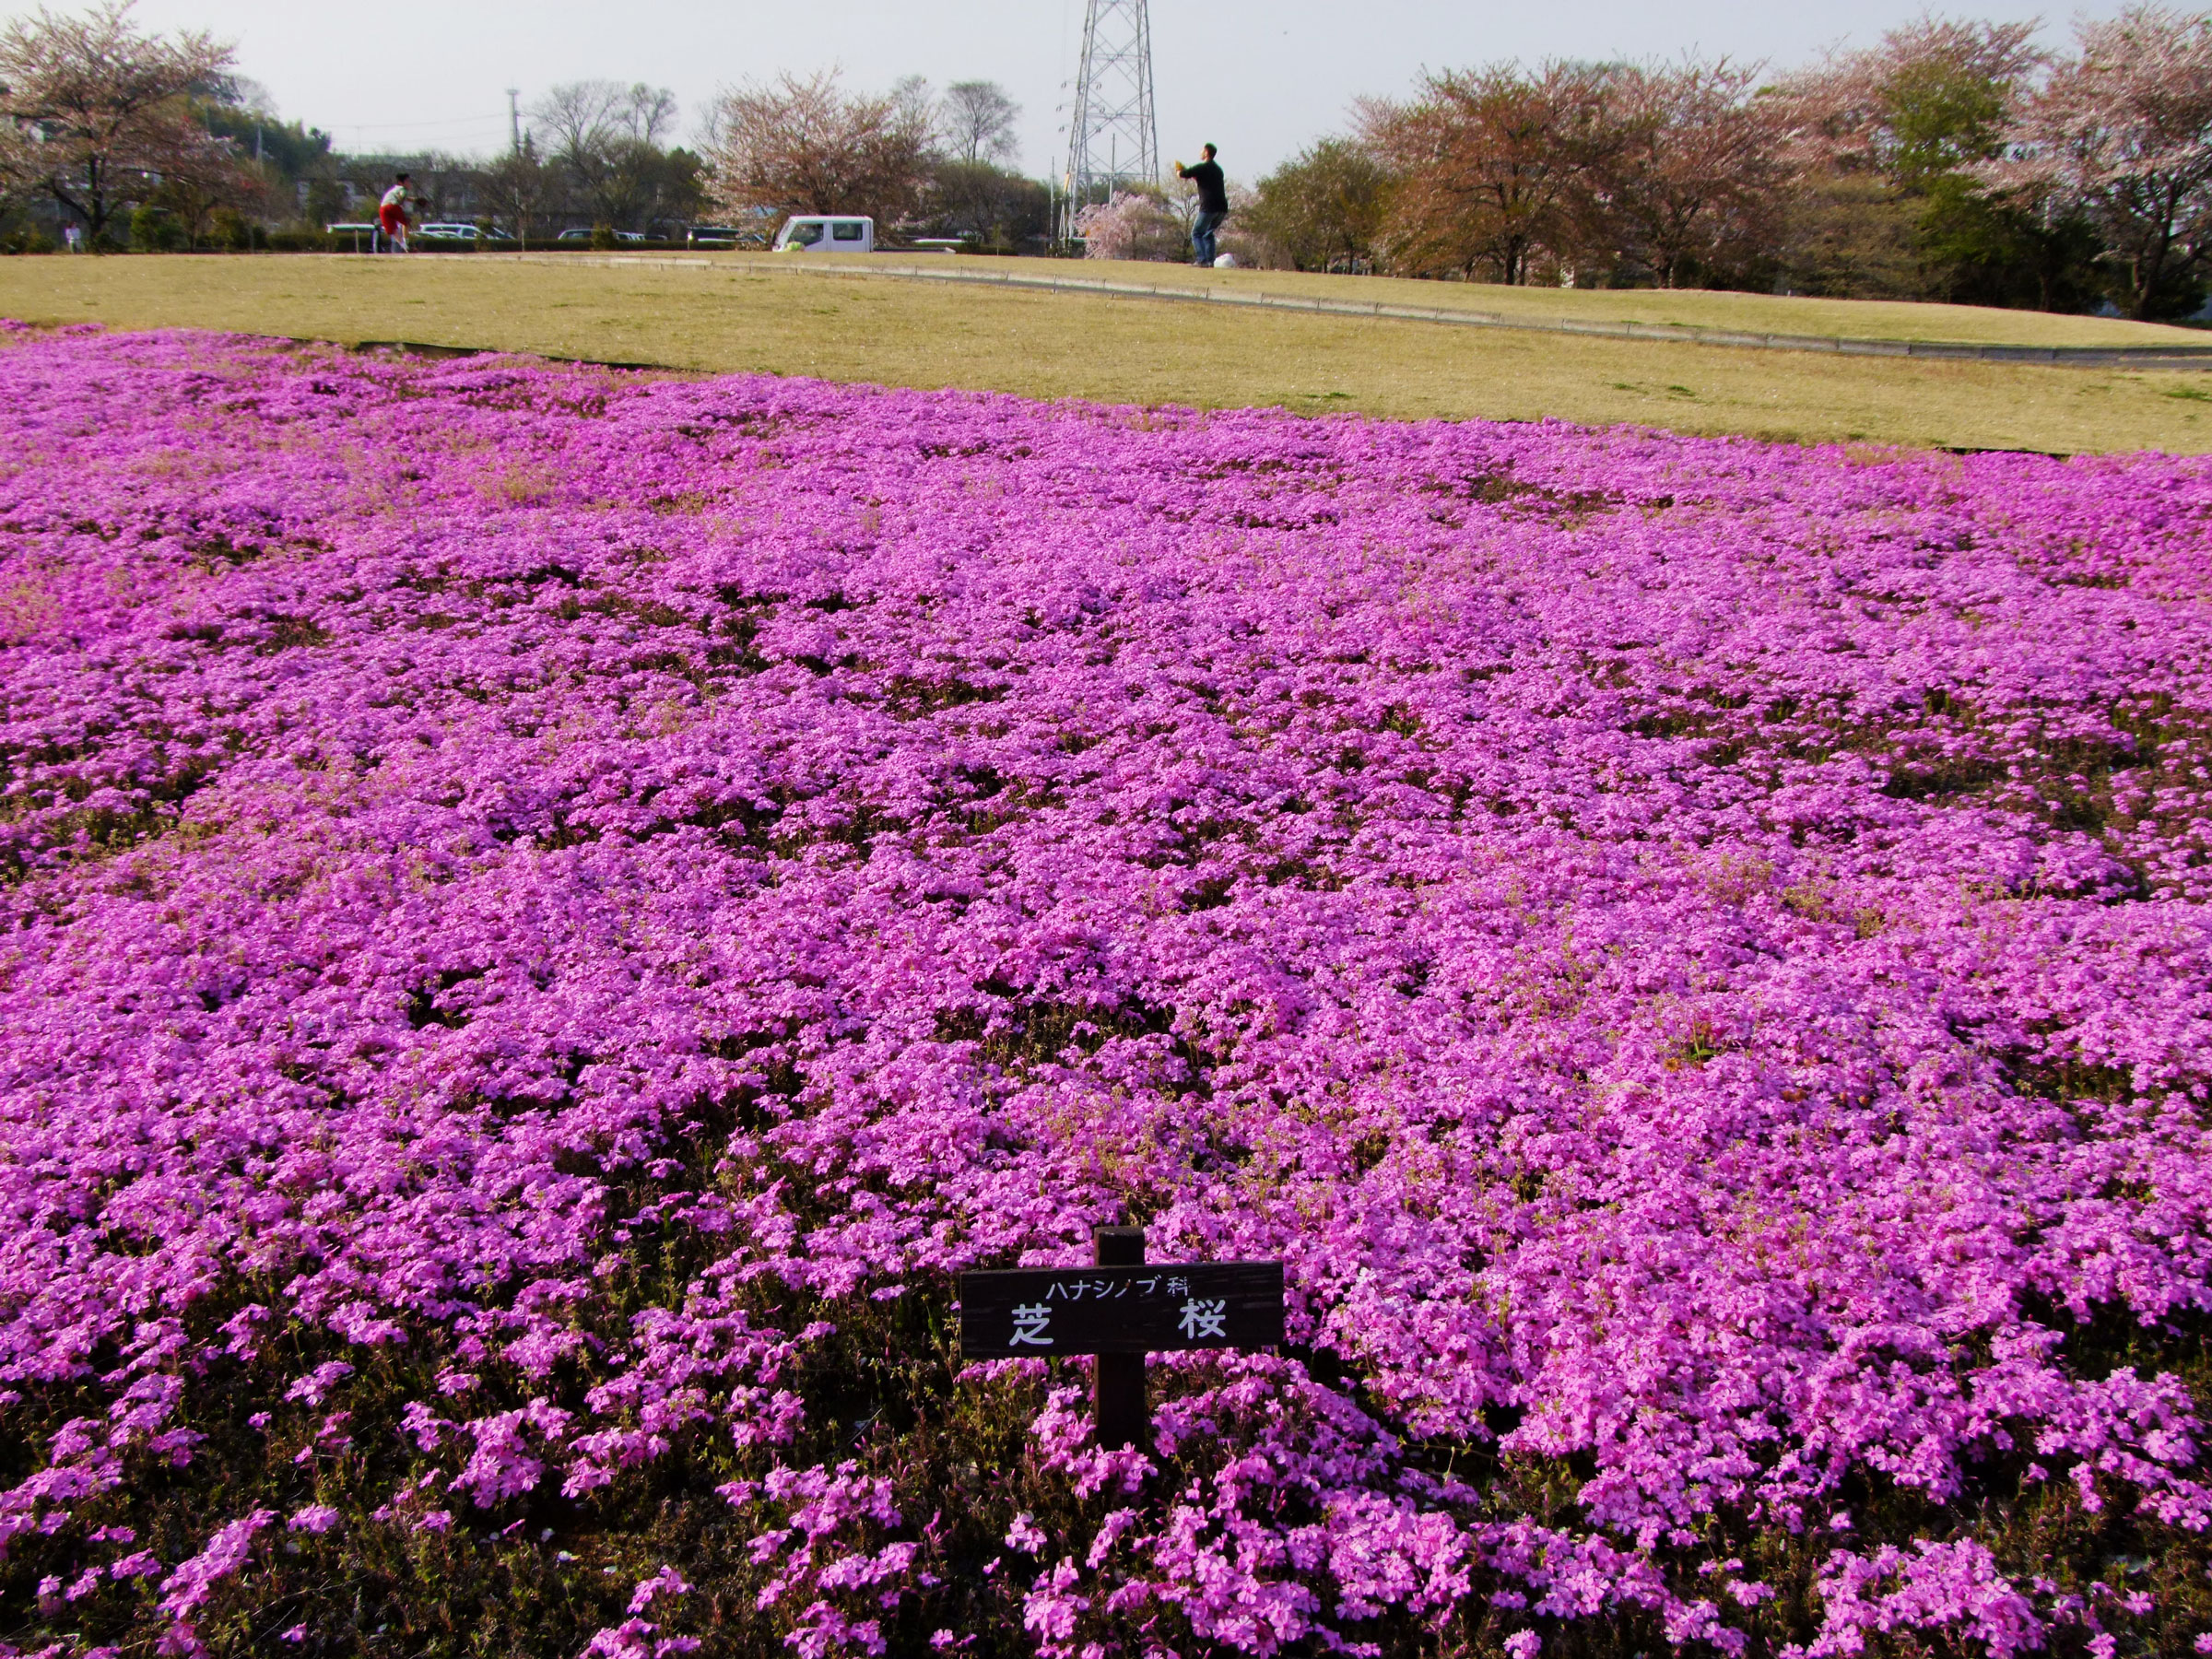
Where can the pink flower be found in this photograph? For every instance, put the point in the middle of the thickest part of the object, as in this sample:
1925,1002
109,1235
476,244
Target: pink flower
316,1385
667,1582
192,1580
1691,952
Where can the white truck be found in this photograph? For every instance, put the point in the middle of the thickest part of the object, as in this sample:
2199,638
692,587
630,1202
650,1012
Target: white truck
827,233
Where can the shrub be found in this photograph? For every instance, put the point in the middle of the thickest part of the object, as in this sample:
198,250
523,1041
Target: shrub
155,231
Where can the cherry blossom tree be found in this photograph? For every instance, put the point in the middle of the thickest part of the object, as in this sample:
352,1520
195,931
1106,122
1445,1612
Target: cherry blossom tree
1693,173
1888,145
1932,97
95,113
2122,134
1131,224
805,144
1491,163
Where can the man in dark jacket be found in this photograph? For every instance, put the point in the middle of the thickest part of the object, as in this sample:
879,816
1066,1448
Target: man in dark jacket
1213,204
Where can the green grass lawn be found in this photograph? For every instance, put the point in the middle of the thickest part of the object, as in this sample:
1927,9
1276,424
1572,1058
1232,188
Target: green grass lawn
741,312
1686,309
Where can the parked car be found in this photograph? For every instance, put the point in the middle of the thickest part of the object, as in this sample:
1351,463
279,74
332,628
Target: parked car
826,233
712,236
453,230
575,233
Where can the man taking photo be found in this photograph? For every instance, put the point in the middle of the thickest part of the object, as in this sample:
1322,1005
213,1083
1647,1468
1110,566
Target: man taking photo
1213,204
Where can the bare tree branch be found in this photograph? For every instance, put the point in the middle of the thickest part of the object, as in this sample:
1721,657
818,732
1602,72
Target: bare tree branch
606,138
976,121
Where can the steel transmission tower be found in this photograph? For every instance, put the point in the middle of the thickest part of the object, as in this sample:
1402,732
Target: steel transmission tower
1113,139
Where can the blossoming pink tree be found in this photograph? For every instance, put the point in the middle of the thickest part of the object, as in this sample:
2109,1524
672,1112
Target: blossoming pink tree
2122,134
1131,224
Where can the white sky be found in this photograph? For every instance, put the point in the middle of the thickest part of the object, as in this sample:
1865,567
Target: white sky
1261,80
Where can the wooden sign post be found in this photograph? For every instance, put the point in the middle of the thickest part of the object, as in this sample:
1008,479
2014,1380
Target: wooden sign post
1121,1310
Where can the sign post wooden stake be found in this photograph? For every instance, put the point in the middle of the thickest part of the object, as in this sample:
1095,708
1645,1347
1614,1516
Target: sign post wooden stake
1118,1384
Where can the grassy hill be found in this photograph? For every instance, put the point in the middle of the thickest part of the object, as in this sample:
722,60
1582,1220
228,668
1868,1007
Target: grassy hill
1689,308
740,312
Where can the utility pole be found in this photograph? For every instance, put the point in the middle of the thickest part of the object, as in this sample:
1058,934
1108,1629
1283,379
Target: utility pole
514,118
1113,139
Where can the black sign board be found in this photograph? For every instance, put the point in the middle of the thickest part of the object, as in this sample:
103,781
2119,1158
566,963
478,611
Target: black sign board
1040,1312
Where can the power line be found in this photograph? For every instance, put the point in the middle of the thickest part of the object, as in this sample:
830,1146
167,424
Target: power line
386,126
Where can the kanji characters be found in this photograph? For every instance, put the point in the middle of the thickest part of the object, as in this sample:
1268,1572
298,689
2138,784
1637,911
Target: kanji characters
1204,1319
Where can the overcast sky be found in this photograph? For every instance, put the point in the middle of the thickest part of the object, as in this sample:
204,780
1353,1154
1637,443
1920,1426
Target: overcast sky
1260,77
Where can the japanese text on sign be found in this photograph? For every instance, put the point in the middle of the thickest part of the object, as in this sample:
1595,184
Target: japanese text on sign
1121,1310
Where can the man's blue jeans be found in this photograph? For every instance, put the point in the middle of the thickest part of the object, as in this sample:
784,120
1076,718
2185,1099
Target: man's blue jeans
1202,237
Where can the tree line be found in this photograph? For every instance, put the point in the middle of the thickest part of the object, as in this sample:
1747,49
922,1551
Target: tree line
156,140
1954,160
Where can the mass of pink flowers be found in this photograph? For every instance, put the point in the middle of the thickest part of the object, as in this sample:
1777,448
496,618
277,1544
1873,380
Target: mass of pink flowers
1692,952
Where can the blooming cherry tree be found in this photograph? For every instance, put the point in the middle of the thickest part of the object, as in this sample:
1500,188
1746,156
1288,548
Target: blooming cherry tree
2122,134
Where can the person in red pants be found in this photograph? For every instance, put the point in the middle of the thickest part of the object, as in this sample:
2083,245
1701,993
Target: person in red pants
392,216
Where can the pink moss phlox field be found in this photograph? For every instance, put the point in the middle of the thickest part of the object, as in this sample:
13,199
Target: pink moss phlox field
1692,951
